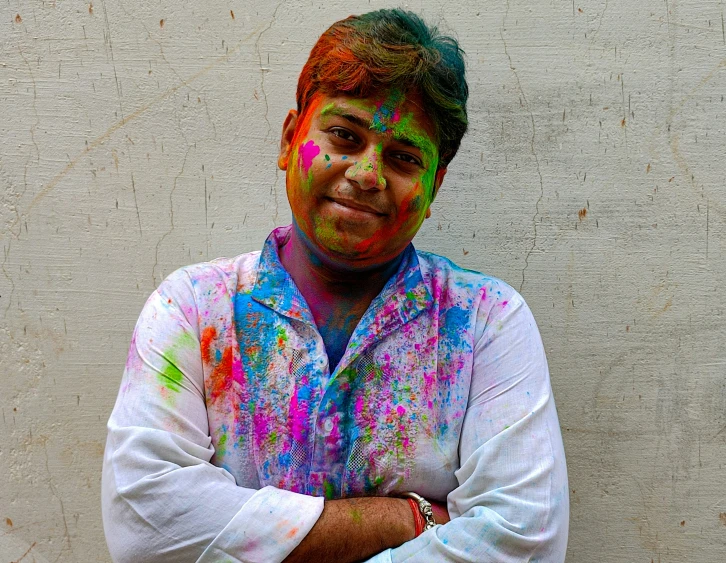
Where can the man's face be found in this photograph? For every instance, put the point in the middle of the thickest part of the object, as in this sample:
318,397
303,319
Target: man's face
361,175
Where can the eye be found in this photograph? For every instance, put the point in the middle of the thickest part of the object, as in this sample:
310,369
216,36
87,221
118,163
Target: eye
344,134
407,158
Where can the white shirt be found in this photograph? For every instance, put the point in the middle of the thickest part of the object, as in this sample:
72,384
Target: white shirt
229,429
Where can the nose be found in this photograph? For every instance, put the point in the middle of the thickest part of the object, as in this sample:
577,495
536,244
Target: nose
368,171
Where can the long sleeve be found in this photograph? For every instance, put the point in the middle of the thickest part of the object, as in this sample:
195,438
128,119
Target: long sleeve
511,504
163,501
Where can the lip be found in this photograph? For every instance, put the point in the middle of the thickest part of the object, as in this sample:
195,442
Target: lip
356,205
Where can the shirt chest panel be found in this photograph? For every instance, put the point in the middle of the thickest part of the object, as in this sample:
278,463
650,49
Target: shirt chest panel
394,413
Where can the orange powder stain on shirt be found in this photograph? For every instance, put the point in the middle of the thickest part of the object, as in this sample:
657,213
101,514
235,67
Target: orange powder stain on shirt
208,335
292,533
221,377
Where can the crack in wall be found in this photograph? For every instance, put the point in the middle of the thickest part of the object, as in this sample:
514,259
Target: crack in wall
66,533
113,61
171,212
267,106
532,150
136,203
98,141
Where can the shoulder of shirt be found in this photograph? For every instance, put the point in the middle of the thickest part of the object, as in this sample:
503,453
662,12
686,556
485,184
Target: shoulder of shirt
439,270
238,274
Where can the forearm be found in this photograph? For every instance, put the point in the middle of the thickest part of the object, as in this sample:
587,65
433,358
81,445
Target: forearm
355,529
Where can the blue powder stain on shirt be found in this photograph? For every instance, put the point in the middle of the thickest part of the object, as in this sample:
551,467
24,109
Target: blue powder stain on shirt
454,326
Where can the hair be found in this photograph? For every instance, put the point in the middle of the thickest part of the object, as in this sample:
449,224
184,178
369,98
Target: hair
392,49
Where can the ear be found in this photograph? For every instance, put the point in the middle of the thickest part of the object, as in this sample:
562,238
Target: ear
440,173
288,134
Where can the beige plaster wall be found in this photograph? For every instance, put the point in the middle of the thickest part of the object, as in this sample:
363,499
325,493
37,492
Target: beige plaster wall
138,136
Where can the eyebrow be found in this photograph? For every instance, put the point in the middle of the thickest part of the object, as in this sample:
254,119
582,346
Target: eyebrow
368,124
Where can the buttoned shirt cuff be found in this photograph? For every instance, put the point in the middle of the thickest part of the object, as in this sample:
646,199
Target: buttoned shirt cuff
267,528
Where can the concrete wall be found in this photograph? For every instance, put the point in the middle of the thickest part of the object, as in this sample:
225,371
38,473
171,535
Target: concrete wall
137,136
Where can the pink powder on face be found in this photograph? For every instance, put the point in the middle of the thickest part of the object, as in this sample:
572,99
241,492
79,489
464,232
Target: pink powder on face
308,152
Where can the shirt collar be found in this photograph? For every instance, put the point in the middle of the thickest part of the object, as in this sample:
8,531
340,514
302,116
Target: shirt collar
404,296
274,287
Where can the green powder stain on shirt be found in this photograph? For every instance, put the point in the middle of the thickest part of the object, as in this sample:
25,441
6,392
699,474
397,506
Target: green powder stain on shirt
170,376
329,490
222,445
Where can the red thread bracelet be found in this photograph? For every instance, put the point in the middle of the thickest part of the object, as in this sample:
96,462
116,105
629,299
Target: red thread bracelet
418,518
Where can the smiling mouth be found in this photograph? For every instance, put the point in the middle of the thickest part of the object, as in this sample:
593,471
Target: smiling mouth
356,206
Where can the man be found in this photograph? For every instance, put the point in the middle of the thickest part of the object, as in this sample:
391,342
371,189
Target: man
281,405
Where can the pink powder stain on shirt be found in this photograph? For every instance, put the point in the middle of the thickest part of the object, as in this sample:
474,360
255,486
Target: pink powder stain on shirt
359,405
308,152
298,418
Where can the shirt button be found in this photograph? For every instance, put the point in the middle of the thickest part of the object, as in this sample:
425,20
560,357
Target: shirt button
328,425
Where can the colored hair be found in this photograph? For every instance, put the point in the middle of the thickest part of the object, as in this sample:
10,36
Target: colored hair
392,49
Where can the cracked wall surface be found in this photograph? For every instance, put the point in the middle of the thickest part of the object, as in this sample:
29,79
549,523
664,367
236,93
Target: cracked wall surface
136,137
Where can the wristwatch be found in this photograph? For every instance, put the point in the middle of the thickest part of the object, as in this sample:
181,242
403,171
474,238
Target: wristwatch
424,507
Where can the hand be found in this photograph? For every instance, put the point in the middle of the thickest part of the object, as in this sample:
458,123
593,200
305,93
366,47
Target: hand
441,513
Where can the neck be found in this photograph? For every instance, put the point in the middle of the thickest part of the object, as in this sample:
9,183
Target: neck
338,282
337,296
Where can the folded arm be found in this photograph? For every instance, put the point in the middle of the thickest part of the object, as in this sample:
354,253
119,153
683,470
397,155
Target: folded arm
163,499
512,501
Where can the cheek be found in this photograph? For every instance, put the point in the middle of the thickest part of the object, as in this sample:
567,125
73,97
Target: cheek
414,203
307,152
300,174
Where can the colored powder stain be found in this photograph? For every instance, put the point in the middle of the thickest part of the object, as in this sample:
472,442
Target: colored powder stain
281,337
292,533
298,417
222,375
344,157
208,335
400,409
327,157
356,516
308,152
171,376
221,445
387,112
329,490
415,204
